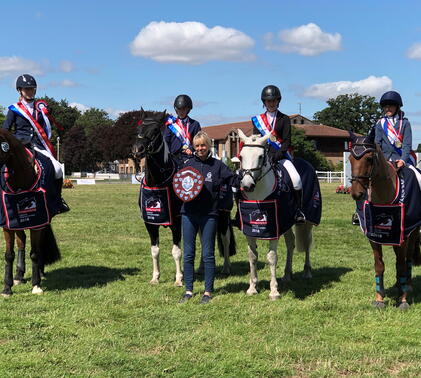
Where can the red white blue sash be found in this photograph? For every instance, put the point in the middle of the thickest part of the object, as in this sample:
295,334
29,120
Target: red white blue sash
21,109
178,129
262,124
395,137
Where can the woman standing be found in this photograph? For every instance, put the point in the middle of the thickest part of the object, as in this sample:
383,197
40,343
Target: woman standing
201,214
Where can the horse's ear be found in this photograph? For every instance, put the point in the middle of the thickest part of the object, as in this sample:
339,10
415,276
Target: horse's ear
352,135
371,136
142,113
164,115
242,136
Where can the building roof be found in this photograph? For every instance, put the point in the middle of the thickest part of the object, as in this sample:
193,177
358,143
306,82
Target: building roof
323,131
220,132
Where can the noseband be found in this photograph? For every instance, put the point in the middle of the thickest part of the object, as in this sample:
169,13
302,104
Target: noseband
359,149
259,168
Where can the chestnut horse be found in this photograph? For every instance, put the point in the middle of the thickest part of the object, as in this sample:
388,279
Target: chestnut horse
376,178
21,176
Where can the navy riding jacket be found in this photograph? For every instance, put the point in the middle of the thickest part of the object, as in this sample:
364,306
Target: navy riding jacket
22,128
175,145
283,132
215,174
388,149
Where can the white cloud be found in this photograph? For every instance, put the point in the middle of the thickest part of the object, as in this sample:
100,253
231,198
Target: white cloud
64,83
115,113
66,66
191,43
82,108
372,85
14,66
308,40
414,52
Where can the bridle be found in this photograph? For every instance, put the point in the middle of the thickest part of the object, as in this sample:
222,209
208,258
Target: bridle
359,149
258,168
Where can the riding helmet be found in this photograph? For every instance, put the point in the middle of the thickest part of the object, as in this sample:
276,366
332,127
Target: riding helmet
25,81
391,98
183,101
271,92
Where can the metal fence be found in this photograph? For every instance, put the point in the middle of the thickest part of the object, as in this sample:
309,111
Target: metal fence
330,176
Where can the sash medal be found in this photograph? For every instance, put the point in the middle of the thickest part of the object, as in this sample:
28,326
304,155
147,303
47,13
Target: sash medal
181,132
20,109
262,124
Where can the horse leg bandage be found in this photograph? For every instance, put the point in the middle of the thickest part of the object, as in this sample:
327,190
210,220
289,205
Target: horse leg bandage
380,285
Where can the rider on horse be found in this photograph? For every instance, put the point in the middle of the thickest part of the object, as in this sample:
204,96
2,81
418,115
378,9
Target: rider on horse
181,130
31,126
393,133
279,126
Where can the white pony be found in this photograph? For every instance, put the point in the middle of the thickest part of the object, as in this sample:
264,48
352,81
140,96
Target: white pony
257,184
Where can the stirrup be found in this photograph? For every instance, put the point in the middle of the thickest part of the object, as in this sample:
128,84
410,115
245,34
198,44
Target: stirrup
299,218
355,219
64,208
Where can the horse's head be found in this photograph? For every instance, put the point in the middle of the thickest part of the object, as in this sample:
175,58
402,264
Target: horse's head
149,133
363,158
253,158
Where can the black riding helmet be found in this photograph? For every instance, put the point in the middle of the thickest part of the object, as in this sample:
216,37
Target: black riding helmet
183,101
25,81
270,92
391,98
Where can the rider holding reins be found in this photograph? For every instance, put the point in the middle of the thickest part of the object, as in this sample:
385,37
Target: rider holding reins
29,120
278,125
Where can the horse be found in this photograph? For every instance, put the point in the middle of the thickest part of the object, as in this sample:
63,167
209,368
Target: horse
160,167
20,173
374,177
259,181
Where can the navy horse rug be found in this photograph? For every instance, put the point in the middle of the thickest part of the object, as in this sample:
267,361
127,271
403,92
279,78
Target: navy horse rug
271,217
390,224
33,208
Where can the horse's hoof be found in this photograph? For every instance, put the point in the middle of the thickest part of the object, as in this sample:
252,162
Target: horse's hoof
37,290
378,304
6,295
154,281
178,283
274,297
251,292
19,282
403,306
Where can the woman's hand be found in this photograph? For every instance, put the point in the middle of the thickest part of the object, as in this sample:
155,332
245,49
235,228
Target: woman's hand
400,164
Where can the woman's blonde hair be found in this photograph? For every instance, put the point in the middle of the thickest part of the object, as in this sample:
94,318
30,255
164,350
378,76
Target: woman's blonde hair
205,137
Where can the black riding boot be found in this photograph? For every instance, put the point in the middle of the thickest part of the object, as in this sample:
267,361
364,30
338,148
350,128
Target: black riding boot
299,217
64,207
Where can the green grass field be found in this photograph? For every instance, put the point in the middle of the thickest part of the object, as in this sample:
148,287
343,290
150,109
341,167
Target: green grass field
99,316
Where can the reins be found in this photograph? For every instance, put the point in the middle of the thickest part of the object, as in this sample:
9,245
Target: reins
259,168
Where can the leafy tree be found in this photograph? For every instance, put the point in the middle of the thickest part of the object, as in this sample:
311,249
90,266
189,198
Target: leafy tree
92,118
74,148
2,114
305,149
350,111
419,148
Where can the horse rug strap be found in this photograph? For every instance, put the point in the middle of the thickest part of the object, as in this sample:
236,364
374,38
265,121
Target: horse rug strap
155,205
384,224
25,210
259,219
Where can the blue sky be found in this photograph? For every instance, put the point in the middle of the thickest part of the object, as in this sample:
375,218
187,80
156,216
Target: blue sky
119,56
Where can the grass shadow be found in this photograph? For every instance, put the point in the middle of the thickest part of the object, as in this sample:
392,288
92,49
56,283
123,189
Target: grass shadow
322,279
84,276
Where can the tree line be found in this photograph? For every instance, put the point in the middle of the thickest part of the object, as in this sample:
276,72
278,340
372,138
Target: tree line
91,138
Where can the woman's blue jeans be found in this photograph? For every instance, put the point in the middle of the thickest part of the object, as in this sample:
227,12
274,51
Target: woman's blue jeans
192,224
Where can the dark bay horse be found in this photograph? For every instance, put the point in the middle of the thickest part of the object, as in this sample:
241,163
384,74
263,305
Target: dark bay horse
376,178
160,167
22,173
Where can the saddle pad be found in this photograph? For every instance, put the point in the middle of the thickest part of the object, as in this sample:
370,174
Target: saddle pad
384,224
259,219
26,209
155,205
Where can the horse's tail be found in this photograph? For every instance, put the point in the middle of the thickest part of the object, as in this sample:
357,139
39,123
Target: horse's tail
50,253
224,226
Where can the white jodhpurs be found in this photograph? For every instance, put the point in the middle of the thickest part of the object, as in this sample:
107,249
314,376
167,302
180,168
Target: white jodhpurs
57,166
417,174
293,174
